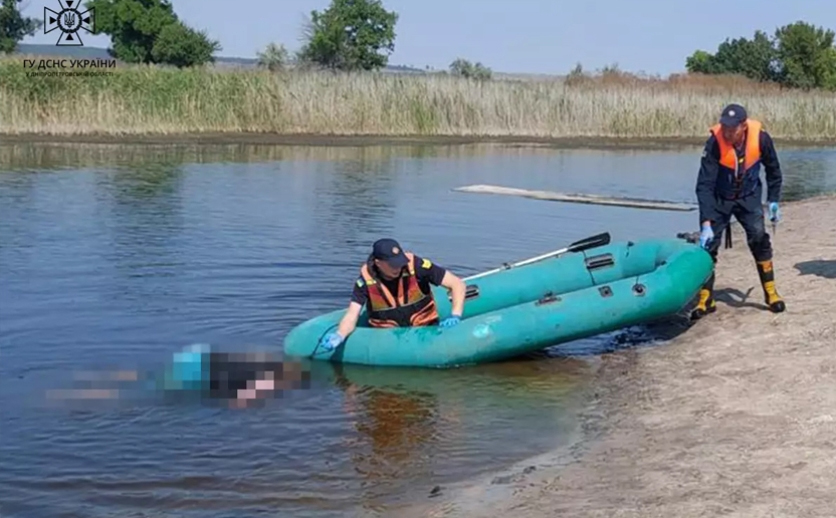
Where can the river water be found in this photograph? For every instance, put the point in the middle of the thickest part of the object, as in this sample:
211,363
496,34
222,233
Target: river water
114,257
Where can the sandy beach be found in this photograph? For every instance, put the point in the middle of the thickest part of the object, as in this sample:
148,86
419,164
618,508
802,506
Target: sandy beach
734,417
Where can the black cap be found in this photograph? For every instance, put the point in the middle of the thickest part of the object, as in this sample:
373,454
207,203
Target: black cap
390,251
733,115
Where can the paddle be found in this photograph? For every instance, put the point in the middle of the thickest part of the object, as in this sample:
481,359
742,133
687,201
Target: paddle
578,246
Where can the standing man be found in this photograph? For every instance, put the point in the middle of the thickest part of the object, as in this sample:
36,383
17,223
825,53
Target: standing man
729,184
396,287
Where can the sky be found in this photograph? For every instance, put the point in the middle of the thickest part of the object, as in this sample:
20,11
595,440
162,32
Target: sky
512,36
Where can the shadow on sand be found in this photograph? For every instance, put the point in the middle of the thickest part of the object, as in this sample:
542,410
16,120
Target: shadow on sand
820,267
737,299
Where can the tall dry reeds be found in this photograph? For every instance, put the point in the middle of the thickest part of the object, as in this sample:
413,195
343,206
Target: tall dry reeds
149,100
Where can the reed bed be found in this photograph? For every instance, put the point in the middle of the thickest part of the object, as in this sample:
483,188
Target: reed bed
135,100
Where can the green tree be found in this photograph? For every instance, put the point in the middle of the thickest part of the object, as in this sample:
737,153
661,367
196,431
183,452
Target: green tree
807,56
135,26
273,57
183,46
700,62
755,59
14,26
799,55
350,35
464,68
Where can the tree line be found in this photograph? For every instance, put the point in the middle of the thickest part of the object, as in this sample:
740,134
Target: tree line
797,55
355,35
349,35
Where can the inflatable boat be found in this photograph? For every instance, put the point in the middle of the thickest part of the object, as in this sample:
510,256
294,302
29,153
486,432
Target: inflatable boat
591,287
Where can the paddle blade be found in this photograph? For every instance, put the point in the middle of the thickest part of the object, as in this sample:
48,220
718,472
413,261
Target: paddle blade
590,242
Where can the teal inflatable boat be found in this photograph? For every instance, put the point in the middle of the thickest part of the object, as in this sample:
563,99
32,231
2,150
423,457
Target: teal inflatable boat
591,287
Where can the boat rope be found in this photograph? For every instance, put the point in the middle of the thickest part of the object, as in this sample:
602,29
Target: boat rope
327,330
591,277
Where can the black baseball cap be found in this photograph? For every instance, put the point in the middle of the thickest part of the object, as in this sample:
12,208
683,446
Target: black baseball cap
733,115
390,251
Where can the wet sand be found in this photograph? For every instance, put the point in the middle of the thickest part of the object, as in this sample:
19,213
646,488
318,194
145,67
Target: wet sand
580,142
735,417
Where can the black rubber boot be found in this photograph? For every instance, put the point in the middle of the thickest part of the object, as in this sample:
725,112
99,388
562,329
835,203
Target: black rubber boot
770,294
706,303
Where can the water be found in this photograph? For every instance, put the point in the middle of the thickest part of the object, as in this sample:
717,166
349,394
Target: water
113,257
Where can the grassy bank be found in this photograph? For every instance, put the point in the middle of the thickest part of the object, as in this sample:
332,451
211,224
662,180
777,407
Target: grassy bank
143,100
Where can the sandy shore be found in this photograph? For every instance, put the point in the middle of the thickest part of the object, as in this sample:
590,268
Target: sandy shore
735,417
585,142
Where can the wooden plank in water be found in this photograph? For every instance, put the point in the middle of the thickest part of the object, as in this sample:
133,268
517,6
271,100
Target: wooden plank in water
593,199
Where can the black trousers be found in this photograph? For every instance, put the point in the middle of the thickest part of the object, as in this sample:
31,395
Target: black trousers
230,372
749,212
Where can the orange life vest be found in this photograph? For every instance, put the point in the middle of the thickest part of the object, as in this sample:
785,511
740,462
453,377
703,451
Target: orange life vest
739,175
415,308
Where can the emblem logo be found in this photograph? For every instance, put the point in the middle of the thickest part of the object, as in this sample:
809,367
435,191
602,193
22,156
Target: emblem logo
69,21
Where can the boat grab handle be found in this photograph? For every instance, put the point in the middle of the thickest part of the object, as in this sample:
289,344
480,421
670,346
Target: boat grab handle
548,298
471,292
599,261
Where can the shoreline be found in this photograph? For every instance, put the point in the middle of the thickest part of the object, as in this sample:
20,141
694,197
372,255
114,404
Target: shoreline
320,140
735,416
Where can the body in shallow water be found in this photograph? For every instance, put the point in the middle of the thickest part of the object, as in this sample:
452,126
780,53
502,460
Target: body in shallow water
237,379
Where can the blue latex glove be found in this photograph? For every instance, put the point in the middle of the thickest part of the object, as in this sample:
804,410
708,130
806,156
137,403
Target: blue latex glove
774,212
450,321
706,235
330,341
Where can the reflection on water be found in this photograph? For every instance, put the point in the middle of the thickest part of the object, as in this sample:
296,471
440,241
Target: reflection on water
408,420
808,173
392,433
362,197
116,256
143,205
56,156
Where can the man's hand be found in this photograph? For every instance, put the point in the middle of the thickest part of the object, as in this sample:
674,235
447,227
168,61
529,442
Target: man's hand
706,235
450,321
774,212
331,341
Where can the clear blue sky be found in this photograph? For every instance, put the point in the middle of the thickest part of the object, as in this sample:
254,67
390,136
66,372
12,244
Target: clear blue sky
518,36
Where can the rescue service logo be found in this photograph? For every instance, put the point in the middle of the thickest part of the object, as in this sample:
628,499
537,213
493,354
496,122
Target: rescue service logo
69,21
